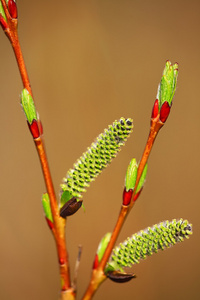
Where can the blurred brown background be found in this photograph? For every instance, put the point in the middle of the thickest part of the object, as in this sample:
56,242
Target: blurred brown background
91,62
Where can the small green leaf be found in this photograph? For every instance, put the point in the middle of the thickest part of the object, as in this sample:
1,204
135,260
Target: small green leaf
98,156
65,197
142,179
147,242
167,86
28,106
2,12
47,207
131,175
103,245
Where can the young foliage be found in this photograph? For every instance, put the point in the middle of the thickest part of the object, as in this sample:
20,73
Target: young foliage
97,157
147,242
47,207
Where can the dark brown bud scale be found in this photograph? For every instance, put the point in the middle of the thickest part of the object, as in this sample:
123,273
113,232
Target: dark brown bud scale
120,277
70,207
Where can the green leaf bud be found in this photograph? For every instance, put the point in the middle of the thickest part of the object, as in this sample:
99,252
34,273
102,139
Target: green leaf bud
103,245
167,86
47,207
131,175
142,179
28,106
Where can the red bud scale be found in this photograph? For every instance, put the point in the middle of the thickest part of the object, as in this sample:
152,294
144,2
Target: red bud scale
155,110
127,197
50,224
164,111
3,22
34,129
12,7
96,262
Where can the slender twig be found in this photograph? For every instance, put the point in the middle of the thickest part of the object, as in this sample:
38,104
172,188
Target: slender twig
58,222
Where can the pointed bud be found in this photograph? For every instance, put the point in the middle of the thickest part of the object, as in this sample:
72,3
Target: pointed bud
131,175
47,207
12,7
47,210
120,277
28,106
101,249
166,90
141,181
167,85
70,207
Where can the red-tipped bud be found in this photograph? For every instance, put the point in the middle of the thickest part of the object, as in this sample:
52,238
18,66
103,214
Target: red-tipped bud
127,197
3,22
34,129
155,109
96,262
137,195
12,7
164,111
50,224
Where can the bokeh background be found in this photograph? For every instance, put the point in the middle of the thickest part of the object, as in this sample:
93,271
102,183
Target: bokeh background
91,62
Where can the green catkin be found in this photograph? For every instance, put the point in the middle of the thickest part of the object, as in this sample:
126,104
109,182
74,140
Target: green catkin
97,157
149,241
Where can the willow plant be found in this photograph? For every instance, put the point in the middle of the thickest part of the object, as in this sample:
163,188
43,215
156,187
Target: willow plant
109,260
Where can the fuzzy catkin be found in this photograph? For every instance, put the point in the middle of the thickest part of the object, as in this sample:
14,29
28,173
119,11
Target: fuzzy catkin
97,157
149,241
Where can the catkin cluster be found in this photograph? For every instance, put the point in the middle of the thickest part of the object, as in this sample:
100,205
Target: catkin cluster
97,157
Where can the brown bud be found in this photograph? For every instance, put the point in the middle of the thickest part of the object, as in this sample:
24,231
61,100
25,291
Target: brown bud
70,207
120,277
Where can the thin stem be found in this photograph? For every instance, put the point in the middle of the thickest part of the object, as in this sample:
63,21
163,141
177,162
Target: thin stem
156,125
115,234
12,35
58,222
